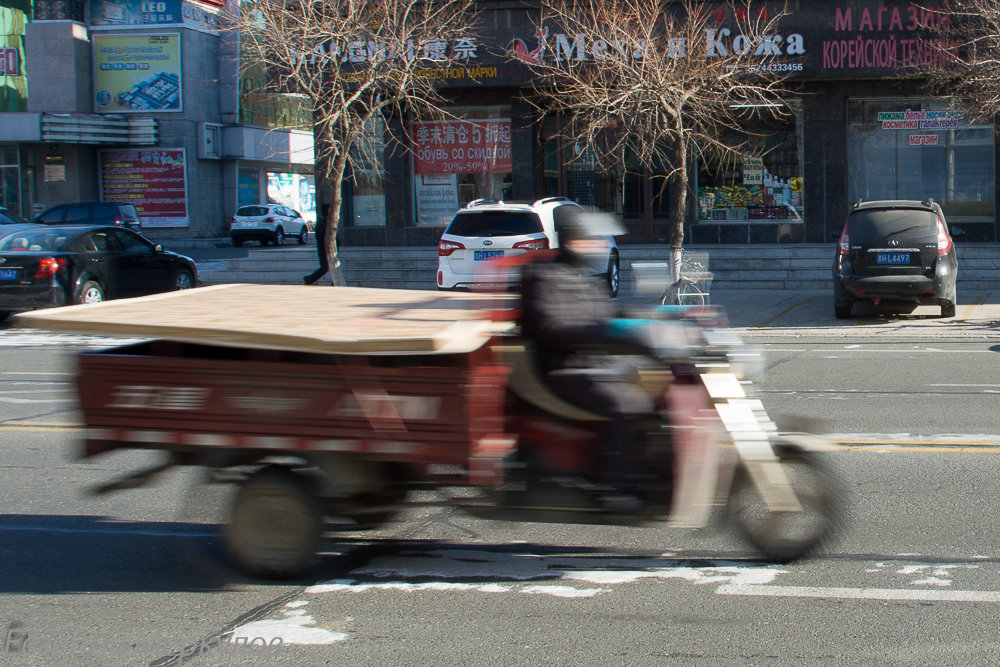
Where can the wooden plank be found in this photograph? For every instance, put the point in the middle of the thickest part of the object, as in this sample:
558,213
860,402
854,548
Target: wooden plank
335,320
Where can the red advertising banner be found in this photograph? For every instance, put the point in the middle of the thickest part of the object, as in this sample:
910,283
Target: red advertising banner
461,147
152,179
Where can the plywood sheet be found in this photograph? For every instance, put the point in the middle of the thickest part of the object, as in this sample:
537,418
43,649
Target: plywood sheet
337,320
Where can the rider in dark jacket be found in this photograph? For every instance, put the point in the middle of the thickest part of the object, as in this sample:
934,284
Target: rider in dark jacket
571,320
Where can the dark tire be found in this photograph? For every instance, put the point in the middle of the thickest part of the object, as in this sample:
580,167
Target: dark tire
4,314
786,536
182,280
614,277
303,236
947,309
275,527
237,243
842,310
279,237
90,292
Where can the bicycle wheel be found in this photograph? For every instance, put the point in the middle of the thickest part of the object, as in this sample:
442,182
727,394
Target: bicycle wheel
684,292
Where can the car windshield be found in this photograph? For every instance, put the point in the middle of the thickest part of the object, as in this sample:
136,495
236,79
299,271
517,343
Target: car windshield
33,240
9,218
495,223
252,210
901,224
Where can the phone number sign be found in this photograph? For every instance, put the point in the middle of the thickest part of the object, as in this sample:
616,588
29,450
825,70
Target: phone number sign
461,147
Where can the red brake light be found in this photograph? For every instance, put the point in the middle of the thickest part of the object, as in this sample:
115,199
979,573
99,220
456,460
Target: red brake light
534,244
843,245
119,221
269,218
943,240
49,266
445,248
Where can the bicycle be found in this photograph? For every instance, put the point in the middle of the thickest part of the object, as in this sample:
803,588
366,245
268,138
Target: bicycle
691,288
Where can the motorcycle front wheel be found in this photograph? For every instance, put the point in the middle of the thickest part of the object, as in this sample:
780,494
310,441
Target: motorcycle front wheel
786,536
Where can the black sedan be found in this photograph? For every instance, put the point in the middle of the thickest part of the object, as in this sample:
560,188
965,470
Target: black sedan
47,265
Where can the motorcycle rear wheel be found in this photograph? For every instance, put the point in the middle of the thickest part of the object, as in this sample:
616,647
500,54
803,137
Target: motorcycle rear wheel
786,536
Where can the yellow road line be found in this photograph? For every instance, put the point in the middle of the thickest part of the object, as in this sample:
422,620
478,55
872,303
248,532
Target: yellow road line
785,312
968,311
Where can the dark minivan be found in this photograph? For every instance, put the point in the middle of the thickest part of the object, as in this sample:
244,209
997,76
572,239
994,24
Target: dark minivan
119,214
895,251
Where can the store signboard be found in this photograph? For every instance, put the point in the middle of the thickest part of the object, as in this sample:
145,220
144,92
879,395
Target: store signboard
137,73
753,171
138,13
152,179
437,198
461,146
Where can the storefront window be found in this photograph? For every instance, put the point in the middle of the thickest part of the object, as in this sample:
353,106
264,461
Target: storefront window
766,188
368,157
296,191
10,188
248,187
458,160
918,148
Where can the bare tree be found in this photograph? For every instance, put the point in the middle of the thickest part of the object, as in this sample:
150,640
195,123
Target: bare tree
357,62
962,47
661,82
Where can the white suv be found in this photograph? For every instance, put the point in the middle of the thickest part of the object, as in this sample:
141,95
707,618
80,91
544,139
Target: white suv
491,230
267,223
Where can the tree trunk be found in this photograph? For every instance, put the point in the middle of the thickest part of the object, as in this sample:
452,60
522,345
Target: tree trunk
679,211
335,186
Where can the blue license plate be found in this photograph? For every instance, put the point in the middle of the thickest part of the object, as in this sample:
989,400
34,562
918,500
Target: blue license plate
9,274
892,258
486,254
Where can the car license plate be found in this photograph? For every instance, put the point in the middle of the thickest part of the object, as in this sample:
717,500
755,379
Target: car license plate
892,258
9,274
486,254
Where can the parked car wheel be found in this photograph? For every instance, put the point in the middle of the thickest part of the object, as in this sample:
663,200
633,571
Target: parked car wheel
947,309
842,310
237,243
90,292
613,275
279,237
183,280
303,235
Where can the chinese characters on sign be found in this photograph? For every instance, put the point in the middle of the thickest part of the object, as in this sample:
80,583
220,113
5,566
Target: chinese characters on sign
152,179
461,146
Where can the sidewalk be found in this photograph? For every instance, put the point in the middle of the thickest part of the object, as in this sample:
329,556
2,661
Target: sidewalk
761,314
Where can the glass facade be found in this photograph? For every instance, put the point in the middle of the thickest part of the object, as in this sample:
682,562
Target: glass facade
906,148
460,159
368,195
765,188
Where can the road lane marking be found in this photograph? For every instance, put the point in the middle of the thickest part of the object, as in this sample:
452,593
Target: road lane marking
785,312
895,594
967,312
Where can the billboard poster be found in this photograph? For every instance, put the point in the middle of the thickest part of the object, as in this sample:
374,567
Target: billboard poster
437,198
461,146
13,77
153,179
137,73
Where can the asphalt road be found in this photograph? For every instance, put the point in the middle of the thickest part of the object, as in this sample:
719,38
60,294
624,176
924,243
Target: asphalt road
914,578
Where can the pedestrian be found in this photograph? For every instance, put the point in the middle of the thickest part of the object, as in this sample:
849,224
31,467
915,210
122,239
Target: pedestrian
321,230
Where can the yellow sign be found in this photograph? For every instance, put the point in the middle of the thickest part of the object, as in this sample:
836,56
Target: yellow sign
140,73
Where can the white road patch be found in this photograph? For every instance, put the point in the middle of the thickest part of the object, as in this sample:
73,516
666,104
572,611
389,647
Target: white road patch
565,591
898,594
297,627
451,570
